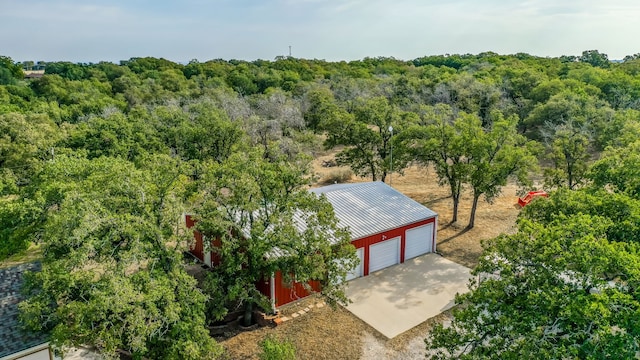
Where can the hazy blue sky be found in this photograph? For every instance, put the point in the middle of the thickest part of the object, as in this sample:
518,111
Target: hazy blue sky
93,30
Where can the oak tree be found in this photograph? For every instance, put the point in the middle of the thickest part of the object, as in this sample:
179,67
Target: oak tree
553,291
112,274
367,137
494,156
439,141
265,220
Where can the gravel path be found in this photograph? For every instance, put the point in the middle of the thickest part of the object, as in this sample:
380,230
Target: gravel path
407,346
374,348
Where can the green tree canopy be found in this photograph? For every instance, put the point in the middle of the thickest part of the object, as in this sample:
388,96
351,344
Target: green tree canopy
554,291
10,72
569,146
267,221
111,274
495,155
440,140
619,168
26,142
564,286
595,58
367,138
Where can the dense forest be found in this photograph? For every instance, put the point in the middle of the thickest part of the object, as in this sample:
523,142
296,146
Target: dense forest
99,162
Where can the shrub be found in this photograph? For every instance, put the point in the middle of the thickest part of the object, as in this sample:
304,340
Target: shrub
274,349
338,176
16,217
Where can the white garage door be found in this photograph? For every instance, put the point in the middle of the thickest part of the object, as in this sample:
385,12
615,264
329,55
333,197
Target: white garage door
418,241
357,271
384,254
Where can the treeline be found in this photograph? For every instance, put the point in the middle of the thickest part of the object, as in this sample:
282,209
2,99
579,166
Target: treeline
99,161
141,106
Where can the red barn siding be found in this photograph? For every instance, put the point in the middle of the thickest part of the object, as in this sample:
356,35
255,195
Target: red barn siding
197,249
366,242
264,286
285,295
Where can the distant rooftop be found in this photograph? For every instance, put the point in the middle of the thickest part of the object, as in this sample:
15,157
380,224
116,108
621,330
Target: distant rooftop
31,74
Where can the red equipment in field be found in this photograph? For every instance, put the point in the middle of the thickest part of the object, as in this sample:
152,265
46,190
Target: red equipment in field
530,196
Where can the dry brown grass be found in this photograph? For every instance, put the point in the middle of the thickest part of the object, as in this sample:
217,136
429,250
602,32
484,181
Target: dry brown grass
322,333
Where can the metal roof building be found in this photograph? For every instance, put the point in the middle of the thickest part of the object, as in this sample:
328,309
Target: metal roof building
371,208
387,228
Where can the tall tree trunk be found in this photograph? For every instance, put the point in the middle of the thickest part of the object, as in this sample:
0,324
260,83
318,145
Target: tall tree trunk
570,176
456,201
472,218
455,196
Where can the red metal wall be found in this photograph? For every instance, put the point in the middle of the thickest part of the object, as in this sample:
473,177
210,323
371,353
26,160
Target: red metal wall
285,295
365,242
264,286
197,249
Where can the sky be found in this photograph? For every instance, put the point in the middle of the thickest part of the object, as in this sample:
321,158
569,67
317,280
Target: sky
334,30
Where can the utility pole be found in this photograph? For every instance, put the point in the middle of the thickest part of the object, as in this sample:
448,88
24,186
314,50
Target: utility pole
391,153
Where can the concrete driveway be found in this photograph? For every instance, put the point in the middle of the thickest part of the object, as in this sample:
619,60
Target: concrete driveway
396,299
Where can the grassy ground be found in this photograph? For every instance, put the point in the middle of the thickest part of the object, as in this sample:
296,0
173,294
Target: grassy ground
33,253
322,333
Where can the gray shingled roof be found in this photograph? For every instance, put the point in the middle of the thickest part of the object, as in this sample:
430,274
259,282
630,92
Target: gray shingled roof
371,208
12,338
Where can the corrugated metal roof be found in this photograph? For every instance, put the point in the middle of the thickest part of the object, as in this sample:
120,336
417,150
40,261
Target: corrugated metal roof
371,208
365,208
301,224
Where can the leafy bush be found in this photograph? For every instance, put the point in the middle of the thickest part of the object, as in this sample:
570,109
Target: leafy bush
12,246
338,176
15,230
274,349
